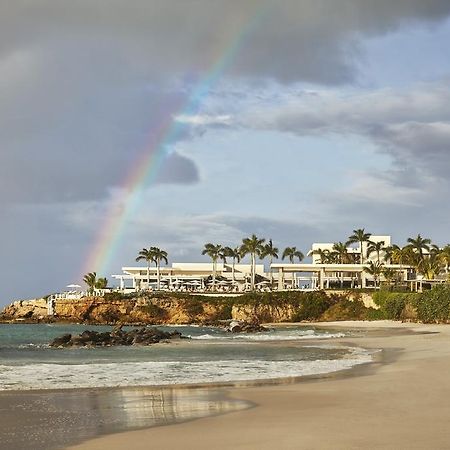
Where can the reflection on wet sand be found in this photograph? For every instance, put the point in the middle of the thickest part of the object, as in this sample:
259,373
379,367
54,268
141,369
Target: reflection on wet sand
45,420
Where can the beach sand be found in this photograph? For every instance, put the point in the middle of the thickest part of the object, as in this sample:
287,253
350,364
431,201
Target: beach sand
400,402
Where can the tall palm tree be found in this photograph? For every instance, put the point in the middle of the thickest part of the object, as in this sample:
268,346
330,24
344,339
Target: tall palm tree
252,246
146,254
158,256
389,274
430,267
445,257
341,252
324,255
271,252
291,253
376,247
419,244
91,280
235,254
214,251
359,236
375,269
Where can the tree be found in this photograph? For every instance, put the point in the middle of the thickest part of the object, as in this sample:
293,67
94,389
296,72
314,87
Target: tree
91,280
101,283
252,246
359,236
235,254
291,253
375,269
430,267
146,254
158,256
324,255
419,244
272,252
389,274
444,255
376,247
341,252
214,251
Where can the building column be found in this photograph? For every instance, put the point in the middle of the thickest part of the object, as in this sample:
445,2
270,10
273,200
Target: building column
321,278
280,279
363,280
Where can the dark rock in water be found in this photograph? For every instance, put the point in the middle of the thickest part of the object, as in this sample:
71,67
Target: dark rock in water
136,336
236,326
61,340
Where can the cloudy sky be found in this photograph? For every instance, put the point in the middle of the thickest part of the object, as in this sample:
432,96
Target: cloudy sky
316,117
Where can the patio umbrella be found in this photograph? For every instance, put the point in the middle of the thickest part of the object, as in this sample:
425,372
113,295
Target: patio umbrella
73,286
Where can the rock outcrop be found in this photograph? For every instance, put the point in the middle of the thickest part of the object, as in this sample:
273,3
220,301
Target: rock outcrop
236,326
137,336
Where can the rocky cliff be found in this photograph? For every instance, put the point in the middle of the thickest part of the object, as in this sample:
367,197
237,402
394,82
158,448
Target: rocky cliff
176,309
98,310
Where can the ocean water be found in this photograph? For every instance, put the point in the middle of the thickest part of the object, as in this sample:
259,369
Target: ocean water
210,356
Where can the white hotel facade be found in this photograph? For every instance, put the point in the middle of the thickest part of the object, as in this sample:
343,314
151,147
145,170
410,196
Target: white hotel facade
281,276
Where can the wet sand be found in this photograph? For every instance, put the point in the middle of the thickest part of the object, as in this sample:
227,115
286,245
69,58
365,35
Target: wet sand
400,402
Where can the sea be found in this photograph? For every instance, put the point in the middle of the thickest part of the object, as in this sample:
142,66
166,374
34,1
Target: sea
211,355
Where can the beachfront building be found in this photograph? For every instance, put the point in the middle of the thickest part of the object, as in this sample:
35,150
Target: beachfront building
190,277
330,269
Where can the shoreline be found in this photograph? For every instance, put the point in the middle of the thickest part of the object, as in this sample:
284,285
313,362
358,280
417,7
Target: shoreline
376,405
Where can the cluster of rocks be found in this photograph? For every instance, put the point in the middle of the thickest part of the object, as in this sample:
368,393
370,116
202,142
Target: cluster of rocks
236,326
137,336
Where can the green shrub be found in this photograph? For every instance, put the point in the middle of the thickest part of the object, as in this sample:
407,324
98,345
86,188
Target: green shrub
193,307
346,309
154,311
113,296
224,312
395,305
434,305
312,305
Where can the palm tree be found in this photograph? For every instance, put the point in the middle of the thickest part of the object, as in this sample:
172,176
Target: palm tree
158,256
430,267
146,254
419,244
214,251
445,257
341,252
324,255
235,254
376,247
359,236
272,252
375,269
252,246
292,253
389,274
101,283
91,280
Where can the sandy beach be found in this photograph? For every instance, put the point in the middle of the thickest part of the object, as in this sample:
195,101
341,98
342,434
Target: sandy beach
399,402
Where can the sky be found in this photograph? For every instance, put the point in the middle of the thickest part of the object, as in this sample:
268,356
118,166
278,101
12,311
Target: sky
297,120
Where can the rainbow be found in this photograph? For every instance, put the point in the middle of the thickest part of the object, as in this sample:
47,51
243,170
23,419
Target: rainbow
146,167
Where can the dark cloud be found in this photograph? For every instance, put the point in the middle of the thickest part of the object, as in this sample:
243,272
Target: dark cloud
293,40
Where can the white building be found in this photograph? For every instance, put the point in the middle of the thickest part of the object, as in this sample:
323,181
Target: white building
194,275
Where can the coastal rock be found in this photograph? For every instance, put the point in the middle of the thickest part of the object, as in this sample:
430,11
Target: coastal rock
61,340
245,327
136,336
